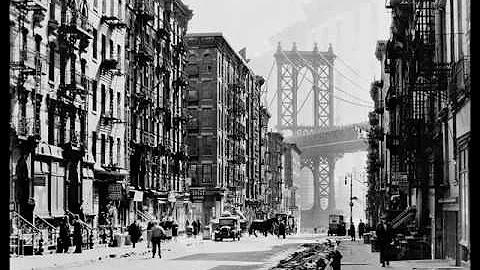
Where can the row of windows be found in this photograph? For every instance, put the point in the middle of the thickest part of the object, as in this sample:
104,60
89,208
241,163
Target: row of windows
103,100
103,149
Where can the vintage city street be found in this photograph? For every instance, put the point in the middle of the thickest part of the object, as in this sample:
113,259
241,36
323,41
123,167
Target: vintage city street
338,131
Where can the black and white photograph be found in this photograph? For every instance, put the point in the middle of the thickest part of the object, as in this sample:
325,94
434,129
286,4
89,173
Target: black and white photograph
239,134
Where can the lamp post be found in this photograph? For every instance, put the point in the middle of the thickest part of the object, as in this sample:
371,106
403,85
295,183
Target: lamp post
351,197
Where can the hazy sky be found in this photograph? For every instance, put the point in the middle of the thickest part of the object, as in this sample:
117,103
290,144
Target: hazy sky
245,23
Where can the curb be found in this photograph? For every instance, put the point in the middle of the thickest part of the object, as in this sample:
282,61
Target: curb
87,261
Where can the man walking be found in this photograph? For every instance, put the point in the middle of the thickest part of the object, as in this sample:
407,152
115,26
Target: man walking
64,236
77,234
352,231
157,234
383,233
361,229
134,232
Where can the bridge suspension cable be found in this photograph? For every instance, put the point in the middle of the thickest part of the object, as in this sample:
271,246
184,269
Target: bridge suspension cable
330,65
352,69
311,90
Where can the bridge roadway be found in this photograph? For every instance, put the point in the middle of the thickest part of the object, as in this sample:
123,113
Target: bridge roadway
320,151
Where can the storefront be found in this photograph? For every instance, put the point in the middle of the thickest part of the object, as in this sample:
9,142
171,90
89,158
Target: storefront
109,194
207,204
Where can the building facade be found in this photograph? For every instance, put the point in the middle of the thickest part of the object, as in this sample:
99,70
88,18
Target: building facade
219,82
419,146
275,191
291,176
155,116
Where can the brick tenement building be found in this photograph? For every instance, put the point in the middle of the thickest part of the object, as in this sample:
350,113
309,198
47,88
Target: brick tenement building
275,182
219,83
155,59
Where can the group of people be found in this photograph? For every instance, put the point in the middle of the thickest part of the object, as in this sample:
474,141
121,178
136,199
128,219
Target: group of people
66,236
361,230
155,234
196,226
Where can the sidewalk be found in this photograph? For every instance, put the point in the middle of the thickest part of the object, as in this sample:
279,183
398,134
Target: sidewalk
358,256
65,261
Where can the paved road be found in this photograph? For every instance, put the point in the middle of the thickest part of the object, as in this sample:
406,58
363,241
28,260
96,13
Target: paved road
248,253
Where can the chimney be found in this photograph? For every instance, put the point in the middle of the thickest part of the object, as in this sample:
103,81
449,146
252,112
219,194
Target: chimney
243,53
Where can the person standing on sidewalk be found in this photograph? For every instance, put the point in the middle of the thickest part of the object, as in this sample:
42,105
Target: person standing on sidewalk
157,234
77,234
352,231
195,228
134,232
64,236
361,229
384,238
149,233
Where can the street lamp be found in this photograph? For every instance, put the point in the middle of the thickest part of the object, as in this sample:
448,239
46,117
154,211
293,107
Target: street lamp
351,197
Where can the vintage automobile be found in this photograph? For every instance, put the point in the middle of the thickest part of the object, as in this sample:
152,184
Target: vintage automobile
228,227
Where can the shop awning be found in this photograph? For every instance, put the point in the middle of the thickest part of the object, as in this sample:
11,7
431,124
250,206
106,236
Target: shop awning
109,176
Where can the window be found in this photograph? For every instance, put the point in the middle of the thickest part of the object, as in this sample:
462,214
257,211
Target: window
94,145
110,152
52,11
104,6
119,9
51,63
94,95
94,43
110,110
118,151
119,107
112,9
51,122
119,53
103,52
95,4
463,168
102,149
102,108
207,173
111,49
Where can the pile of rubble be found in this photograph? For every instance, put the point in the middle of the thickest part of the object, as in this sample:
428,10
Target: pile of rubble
317,256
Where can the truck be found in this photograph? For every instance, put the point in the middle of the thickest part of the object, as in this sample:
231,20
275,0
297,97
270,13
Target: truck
336,225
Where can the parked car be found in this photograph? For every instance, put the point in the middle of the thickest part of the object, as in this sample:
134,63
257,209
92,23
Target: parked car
228,227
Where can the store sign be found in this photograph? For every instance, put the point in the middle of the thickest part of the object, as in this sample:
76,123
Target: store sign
115,191
197,194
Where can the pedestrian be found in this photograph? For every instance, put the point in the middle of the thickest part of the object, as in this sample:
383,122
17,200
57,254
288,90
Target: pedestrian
281,229
199,226
195,228
77,234
81,212
157,234
384,238
134,232
352,231
361,229
64,236
149,232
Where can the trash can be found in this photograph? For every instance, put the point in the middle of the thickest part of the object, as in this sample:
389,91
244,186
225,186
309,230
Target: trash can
206,233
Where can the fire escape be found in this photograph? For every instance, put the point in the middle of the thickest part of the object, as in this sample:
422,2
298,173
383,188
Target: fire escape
142,96
237,135
109,71
26,238
415,97
73,38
